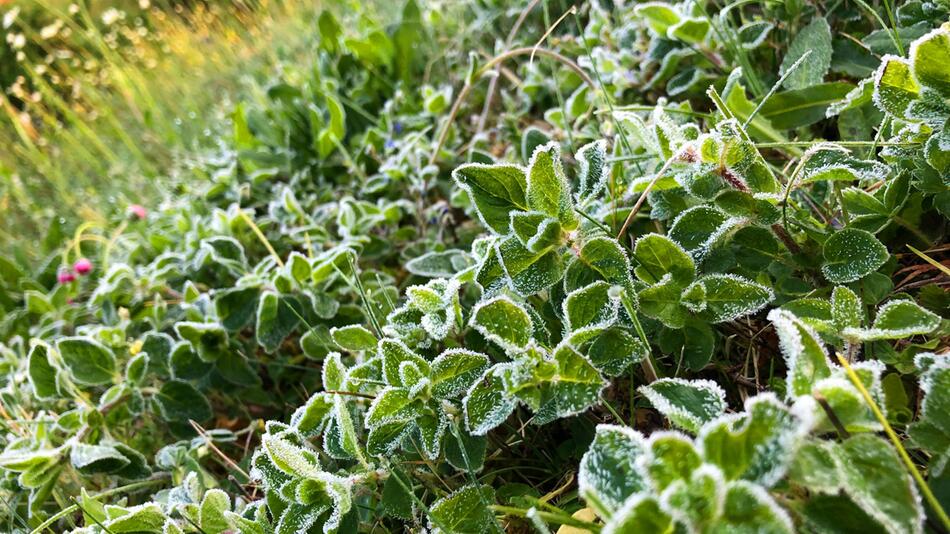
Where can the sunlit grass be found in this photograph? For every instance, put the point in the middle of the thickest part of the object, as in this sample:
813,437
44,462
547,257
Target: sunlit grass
108,95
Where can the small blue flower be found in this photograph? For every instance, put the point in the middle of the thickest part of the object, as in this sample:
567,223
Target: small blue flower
389,144
397,127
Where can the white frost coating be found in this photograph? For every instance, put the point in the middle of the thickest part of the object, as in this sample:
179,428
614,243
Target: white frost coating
736,310
606,316
386,395
332,361
498,413
930,363
727,226
468,189
837,107
508,347
872,170
790,342
599,150
536,521
785,441
927,322
283,452
533,242
689,417
879,74
592,476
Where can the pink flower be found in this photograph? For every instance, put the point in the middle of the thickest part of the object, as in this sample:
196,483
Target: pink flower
138,211
65,276
82,266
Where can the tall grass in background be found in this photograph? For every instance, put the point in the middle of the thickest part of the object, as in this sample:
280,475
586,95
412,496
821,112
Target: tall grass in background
102,99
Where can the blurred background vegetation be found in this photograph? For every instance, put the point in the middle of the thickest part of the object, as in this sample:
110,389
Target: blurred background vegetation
104,101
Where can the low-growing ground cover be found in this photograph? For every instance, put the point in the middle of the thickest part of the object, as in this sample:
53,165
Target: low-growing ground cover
633,268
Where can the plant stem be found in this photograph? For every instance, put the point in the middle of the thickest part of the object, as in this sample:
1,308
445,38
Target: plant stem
560,519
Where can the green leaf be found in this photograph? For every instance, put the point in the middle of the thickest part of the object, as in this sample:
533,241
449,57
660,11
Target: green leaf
641,514
658,255
852,254
659,16
846,309
896,319
577,386
804,353
236,307
396,501
487,403
814,40
495,190
454,370
694,343
729,297
392,404
749,508
210,339
94,459
895,86
609,472
803,106
464,511
688,404
607,260
353,337
590,306
756,446
814,467
593,171
504,322
475,448
837,514
694,227
528,272
309,418
826,161
874,477
89,362
211,513
181,402
614,350
42,373
931,431
663,301
548,191
394,353
930,57
146,517
277,317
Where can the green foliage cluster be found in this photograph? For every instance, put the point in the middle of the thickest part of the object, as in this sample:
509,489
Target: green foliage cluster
667,281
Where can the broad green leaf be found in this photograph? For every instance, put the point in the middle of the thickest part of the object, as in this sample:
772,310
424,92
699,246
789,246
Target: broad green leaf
353,337
749,508
146,517
803,106
814,40
851,255
691,30
930,57
396,501
455,370
688,404
548,190
640,514
614,350
536,231
504,322
589,306
576,387
439,264
757,445
814,467
431,429
671,458
392,404
874,477
658,255
472,458
528,272
728,297
659,16
827,161
694,343
895,86
42,373
487,403
310,417
277,317
394,353
896,319
609,472
213,506
95,459
89,362
236,307
464,512
495,190
593,171
334,372
181,402
804,353
837,514
694,227
210,339
846,309
931,431
663,301
606,258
